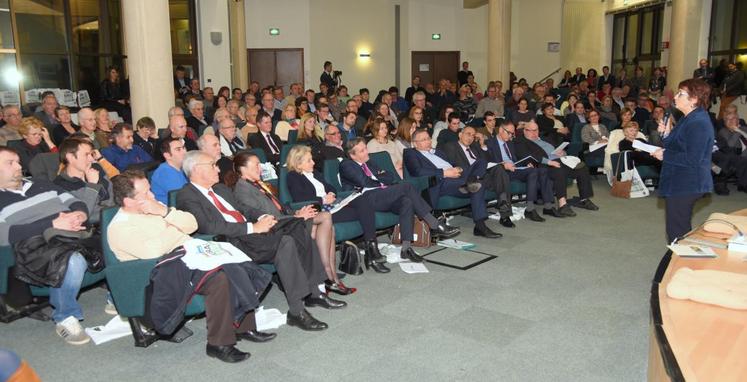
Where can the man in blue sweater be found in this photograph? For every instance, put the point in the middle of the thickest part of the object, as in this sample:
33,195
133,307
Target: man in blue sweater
169,176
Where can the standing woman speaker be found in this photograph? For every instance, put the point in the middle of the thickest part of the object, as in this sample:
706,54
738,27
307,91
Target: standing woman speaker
686,156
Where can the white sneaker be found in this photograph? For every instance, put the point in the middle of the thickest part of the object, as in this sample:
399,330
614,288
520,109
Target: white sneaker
110,309
71,331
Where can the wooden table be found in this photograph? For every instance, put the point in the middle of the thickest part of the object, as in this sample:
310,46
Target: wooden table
694,341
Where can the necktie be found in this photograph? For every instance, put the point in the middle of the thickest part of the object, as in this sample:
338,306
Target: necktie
367,171
233,213
273,147
471,154
505,147
264,188
369,174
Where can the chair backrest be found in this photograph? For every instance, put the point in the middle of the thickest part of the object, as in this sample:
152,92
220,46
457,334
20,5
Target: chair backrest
260,154
283,193
384,161
420,183
172,198
332,173
576,132
292,137
284,152
107,215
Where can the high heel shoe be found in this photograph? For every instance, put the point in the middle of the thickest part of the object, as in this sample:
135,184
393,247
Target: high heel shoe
338,288
377,267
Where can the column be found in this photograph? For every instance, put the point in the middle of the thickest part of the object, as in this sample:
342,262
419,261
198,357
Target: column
148,42
683,46
499,41
237,23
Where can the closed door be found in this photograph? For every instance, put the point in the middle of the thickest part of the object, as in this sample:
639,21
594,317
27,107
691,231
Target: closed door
433,66
276,67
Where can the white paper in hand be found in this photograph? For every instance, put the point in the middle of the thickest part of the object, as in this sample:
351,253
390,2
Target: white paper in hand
645,147
560,148
597,146
570,161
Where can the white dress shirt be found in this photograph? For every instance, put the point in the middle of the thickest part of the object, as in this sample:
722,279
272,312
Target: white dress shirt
318,186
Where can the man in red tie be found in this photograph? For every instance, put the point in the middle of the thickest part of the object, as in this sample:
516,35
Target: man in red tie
284,243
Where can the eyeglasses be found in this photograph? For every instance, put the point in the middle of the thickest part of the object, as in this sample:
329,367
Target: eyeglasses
211,164
682,92
530,130
335,133
511,133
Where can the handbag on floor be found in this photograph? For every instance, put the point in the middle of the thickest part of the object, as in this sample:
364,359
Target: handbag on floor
351,260
421,234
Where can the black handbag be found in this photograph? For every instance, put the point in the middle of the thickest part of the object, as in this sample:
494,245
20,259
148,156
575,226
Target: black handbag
351,260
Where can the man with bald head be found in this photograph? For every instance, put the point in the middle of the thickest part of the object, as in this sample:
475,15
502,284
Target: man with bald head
210,145
87,122
177,129
9,132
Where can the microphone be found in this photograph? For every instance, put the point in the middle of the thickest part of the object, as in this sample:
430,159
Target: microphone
667,115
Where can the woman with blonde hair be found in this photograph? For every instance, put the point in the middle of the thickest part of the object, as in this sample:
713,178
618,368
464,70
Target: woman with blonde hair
288,123
382,142
36,140
306,185
309,131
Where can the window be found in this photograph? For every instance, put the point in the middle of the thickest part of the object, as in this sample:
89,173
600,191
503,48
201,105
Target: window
8,71
183,35
636,39
728,38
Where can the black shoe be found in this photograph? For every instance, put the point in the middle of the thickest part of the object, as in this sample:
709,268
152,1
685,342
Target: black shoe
227,353
410,254
721,189
372,250
470,188
504,208
484,231
566,210
506,222
552,212
324,301
587,205
377,267
256,336
445,231
533,216
305,321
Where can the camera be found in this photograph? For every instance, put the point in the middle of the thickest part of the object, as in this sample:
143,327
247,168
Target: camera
337,73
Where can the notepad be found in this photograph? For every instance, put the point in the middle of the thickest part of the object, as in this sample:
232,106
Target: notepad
695,251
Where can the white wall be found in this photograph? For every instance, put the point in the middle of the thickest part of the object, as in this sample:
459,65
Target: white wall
215,60
292,17
584,36
534,23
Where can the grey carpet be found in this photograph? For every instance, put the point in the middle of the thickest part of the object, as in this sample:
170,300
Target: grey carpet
566,300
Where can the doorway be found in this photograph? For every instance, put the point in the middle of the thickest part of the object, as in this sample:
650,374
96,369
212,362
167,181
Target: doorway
277,67
433,66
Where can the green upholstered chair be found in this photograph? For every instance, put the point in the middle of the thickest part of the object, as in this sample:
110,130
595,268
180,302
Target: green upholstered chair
292,137
7,261
127,282
284,152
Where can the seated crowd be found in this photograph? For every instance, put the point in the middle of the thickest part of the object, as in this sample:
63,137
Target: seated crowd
204,174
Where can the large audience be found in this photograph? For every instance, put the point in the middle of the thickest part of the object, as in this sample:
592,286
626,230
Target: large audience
214,171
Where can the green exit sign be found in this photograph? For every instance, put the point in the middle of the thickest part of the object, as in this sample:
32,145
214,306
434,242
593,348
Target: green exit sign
274,31
436,36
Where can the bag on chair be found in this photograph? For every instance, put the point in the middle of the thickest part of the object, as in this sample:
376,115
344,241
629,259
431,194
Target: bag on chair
351,260
621,188
421,233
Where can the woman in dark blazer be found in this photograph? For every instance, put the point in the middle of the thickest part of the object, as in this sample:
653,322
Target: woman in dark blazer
252,194
36,140
686,156
306,185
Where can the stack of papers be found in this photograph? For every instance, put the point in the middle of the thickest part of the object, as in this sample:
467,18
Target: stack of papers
456,244
697,251
410,268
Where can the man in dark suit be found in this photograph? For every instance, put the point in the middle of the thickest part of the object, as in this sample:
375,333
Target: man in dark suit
463,74
606,78
467,151
181,81
332,148
531,144
451,132
326,77
177,129
502,150
448,180
578,77
389,195
46,115
286,243
265,139
268,106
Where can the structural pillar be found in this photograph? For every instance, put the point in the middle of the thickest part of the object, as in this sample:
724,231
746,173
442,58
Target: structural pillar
148,42
683,46
237,27
499,41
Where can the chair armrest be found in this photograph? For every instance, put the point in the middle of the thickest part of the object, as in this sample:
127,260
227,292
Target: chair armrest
127,281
